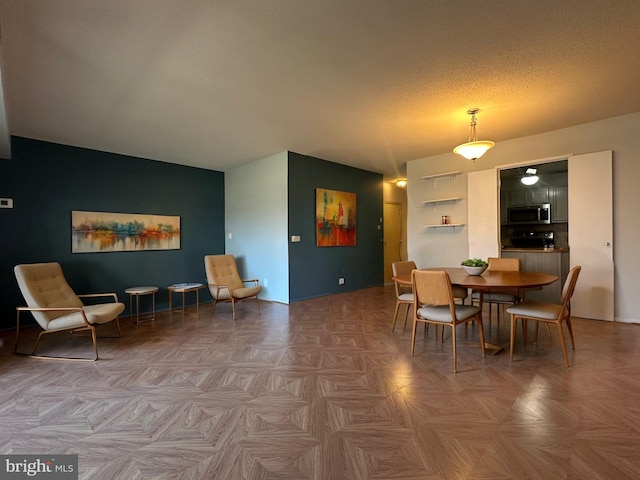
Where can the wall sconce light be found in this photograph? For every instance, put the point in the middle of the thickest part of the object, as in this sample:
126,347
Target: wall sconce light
402,182
474,148
530,178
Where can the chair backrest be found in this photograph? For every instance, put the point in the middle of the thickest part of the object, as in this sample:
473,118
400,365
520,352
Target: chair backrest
504,264
43,285
570,284
432,287
222,270
403,268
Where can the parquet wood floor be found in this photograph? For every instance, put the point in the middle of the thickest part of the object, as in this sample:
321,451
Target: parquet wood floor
322,389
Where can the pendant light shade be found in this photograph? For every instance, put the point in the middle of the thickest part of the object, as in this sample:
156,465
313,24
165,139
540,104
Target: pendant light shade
530,178
474,148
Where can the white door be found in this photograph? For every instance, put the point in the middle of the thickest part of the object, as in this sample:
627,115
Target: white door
591,234
483,219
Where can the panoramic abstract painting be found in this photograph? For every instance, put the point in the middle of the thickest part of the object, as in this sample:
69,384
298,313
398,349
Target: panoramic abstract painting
335,218
122,232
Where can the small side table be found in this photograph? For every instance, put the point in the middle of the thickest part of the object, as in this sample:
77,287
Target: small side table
184,288
137,292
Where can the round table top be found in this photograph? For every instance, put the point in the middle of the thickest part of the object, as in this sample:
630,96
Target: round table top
491,279
141,290
183,287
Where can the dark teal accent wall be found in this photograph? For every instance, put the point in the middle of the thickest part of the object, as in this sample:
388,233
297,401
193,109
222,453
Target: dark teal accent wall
47,181
314,271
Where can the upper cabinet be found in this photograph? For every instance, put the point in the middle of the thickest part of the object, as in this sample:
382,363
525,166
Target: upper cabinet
529,196
559,204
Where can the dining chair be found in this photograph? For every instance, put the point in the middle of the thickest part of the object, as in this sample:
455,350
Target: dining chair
226,284
404,292
56,307
434,303
547,313
500,298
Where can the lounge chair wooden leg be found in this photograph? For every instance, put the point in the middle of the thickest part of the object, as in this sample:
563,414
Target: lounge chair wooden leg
15,348
95,343
35,347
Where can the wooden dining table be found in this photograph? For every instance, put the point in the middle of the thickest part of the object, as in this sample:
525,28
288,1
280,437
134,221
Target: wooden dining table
490,281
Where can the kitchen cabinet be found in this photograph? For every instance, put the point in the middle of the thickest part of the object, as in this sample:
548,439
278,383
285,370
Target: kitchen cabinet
504,205
529,196
560,204
551,262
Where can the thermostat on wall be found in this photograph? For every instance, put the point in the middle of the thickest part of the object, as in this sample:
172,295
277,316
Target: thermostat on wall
6,202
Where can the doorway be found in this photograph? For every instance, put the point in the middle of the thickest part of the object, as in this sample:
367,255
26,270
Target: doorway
392,222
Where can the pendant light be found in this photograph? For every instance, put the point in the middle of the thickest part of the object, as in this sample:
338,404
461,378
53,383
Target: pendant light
530,178
474,148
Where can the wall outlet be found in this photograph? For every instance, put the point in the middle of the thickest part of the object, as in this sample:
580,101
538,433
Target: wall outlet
341,281
230,235
265,283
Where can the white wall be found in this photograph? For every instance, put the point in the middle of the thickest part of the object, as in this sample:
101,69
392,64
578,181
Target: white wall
256,218
620,134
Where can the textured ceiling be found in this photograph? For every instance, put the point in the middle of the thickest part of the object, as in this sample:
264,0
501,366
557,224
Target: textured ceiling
368,83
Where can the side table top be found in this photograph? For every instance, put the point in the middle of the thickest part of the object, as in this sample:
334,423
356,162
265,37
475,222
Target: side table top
184,287
141,290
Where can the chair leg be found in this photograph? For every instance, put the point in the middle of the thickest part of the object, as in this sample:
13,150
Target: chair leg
95,343
563,343
453,340
35,347
513,336
258,302
406,317
573,345
15,348
395,316
233,309
413,336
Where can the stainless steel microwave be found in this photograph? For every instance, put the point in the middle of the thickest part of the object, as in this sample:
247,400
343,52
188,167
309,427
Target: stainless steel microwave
529,214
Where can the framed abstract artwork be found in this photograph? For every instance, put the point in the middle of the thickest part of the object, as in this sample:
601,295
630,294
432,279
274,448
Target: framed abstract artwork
335,218
123,232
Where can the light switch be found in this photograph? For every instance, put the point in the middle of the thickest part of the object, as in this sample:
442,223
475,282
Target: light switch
295,238
6,202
